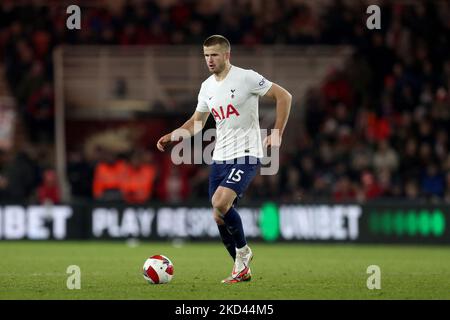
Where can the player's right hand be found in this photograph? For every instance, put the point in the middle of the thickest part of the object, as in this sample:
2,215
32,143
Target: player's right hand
163,142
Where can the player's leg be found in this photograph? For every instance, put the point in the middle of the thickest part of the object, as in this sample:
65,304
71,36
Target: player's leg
217,173
237,178
227,237
222,202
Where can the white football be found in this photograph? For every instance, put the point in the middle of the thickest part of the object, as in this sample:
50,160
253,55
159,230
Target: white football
158,269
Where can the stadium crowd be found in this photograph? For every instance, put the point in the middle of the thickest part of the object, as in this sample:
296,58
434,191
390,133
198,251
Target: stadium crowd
377,129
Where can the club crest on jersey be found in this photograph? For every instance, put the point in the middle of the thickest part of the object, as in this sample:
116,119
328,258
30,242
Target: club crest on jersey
232,93
221,114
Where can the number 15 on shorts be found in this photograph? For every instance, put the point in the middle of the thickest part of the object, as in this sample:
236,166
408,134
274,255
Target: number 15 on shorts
235,176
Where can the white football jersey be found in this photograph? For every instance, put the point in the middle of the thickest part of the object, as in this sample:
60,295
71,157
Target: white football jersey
233,102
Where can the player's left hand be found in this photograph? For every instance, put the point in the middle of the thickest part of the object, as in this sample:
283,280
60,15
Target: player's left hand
163,142
272,140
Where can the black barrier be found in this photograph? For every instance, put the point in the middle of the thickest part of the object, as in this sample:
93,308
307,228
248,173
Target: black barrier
272,222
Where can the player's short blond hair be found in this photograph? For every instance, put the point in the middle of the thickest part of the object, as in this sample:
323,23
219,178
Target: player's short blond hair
217,39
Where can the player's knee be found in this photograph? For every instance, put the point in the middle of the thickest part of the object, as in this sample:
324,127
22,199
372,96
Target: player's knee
220,204
217,218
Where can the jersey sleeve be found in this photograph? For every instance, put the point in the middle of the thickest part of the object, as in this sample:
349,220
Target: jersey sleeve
257,83
202,106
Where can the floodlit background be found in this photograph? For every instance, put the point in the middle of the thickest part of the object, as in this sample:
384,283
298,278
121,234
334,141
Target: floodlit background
364,164
370,114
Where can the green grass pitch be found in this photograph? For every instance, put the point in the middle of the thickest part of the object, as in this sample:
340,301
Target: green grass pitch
112,270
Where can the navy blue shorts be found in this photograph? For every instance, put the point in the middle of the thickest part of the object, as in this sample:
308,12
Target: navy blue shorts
235,174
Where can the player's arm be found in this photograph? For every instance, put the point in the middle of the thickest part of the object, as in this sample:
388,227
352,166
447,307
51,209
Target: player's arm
187,130
283,104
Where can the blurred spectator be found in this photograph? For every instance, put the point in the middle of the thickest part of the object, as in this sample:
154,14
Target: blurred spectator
306,172
173,186
410,163
385,157
388,184
256,190
22,175
441,145
344,190
140,174
273,185
40,114
108,176
370,187
378,128
3,186
80,173
433,181
48,191
447,187
361,156
199,183
321,188
336,89
3,178
412,190
31,82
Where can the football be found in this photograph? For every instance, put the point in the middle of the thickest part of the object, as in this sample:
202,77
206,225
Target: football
158,269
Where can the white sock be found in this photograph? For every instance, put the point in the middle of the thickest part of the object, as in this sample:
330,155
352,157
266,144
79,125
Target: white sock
243,249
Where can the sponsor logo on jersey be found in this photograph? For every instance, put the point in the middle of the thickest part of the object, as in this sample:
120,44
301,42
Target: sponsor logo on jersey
221,113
